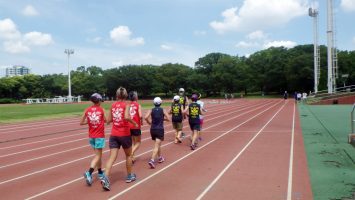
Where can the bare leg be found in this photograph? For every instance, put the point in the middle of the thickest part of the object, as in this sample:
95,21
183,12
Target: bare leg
111,160
96,162
194,137
128,153
156,149
136,145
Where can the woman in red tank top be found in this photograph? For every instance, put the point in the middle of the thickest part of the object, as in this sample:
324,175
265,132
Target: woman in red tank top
120,136
136,115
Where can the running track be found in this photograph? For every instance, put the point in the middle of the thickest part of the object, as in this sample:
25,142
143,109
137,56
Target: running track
251,149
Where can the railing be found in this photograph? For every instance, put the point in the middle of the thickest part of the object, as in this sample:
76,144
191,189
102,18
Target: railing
53,100
339,92
352,120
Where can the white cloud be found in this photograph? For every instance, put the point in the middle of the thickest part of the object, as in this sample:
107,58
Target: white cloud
38,38
200,33
243,44
29,10
122,35
166,47
14,42
256,35
281,43
259,14
95,39
8,30
348,5
354,40
15,47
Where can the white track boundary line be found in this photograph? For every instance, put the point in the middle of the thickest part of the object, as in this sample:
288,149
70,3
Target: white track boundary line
219,110
65,184
236,157
69,162
290,169
187,155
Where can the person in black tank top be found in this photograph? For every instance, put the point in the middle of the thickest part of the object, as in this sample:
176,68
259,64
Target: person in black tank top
194,112
156,117
176,117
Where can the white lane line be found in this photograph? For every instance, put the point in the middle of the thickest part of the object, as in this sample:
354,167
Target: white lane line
66,163
60,186
33,124
187,155
19,145
5,127
290,169
44,147
219,110
81,178
48,146
236,157
45,156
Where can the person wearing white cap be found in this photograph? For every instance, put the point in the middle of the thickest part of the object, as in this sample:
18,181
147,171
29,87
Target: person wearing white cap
184,101
176,118
156,117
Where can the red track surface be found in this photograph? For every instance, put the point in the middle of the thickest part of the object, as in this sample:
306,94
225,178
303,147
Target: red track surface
245,154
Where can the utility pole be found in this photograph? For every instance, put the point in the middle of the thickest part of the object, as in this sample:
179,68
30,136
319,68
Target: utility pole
68,52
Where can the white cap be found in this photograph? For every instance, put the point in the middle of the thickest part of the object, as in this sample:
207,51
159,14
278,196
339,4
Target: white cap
181,90
176,98
157,101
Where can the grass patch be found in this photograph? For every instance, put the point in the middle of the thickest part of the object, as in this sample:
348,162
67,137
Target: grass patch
22,112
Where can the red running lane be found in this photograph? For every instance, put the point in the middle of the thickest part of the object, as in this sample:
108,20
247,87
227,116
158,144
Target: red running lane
141,168
118,176
173,182
58,175
262,171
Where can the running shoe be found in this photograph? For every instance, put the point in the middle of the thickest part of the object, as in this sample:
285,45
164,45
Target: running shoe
161,159
182,135
193,147
151,164
88,178
105,182
100,176
130,178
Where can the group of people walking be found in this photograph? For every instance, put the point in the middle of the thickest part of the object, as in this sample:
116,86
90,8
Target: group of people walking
127,119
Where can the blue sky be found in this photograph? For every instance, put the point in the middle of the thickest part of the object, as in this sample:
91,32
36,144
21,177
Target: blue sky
111,33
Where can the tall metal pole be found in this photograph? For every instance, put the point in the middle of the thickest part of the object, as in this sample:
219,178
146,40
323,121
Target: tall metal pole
68,52
314,14
330,46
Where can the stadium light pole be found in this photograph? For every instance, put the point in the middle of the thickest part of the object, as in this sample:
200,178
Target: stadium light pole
314,14
68,52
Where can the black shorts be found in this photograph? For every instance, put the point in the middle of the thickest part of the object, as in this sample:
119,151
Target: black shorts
115,142
195,126
157,133
136,132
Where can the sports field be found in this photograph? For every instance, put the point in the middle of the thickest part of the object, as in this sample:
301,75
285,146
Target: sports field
251,149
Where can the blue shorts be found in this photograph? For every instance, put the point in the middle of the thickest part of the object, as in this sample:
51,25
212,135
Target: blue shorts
97,143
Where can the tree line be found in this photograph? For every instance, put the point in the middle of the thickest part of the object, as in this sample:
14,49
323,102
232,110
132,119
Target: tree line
272,70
